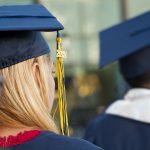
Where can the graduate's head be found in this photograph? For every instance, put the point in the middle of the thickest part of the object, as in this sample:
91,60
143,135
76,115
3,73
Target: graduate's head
135,68
129,43
27,95
25,64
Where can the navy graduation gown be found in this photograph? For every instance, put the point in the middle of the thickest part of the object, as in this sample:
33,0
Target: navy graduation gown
50,141
118,133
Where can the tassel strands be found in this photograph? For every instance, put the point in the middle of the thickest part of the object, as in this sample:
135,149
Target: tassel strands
61,87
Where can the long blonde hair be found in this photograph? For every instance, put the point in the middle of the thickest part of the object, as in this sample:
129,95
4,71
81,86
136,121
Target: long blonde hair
23,102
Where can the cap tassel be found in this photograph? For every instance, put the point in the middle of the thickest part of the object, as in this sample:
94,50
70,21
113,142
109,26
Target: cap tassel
62,103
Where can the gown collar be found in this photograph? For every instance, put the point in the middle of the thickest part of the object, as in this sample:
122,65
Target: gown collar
20,138
135,105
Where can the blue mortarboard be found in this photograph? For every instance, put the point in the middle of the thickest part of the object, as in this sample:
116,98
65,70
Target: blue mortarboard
20,38
128,42
27,17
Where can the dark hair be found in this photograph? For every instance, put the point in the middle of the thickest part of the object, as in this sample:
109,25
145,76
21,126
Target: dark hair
139,81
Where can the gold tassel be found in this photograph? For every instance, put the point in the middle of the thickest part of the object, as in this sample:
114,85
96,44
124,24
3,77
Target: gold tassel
62,103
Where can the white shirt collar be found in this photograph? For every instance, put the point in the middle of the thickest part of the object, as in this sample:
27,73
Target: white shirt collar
135,105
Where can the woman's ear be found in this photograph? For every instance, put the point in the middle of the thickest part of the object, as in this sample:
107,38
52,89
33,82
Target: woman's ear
35,70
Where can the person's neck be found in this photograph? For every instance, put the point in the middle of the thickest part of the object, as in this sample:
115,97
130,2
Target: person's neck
146,86
6,131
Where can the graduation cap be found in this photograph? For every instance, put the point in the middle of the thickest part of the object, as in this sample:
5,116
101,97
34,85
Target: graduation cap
20,40
128,42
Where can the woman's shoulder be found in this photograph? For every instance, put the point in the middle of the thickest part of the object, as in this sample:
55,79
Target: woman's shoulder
50,140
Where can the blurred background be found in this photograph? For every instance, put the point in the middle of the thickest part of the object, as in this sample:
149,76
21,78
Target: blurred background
89,89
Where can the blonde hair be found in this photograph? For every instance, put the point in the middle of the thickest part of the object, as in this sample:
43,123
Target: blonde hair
23,101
